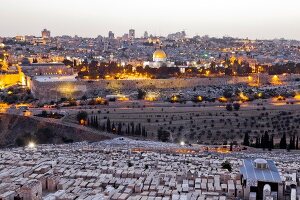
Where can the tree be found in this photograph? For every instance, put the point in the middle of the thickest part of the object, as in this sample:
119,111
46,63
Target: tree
246,139
227,94
81,117
292,142
141,94
282,143
113,128
44,113
236,106
271,143
297,143
229,107
84,98
119,130
265,140
163,135
108,125
257,143
227,165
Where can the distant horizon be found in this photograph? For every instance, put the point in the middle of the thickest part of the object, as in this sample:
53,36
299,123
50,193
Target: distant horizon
141,36
261,20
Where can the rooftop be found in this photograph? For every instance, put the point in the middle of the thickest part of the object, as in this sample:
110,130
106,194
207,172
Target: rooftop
253,174
55,78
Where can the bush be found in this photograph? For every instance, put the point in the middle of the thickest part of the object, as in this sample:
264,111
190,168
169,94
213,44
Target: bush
227,165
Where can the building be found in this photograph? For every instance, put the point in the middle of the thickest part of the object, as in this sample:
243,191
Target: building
159,56
20,38
3,62
146,35
125,37
131,34
111,35
46,34
11,77
41,69
261,180
159,59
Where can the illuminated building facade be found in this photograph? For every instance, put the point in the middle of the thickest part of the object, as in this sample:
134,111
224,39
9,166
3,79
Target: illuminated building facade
41,69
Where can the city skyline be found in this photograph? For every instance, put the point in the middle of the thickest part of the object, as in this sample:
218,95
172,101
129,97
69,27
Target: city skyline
258,20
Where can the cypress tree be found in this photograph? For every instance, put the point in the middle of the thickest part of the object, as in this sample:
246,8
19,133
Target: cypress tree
262,142
96,121
119,131
132,128
292,143
246,139
128,130
271,143
108,125
283,142
257,144
113,128
144,132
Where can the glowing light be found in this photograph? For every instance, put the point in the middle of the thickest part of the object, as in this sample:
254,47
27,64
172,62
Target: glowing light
223,99
100,100
199,98
9,92
31,145
151,97
124,98
275,80
182,143
174,98
82,122
259,95
243,97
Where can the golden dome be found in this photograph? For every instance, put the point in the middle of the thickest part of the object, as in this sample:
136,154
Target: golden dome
159,54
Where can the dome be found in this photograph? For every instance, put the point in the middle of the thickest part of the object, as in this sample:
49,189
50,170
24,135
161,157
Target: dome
159,55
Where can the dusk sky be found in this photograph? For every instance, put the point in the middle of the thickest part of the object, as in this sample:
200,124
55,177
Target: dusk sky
263,19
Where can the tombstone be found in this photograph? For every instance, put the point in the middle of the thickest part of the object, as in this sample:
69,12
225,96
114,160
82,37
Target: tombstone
266,191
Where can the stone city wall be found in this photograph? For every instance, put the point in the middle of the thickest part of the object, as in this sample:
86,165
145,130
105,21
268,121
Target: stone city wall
47,91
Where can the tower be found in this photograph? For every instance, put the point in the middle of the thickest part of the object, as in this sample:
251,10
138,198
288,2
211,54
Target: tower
146,35
131,34
46,34
111,35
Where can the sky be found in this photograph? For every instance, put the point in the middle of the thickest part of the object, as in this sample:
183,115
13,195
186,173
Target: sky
255,19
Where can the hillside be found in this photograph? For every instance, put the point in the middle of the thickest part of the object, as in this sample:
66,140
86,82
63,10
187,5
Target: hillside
19,130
